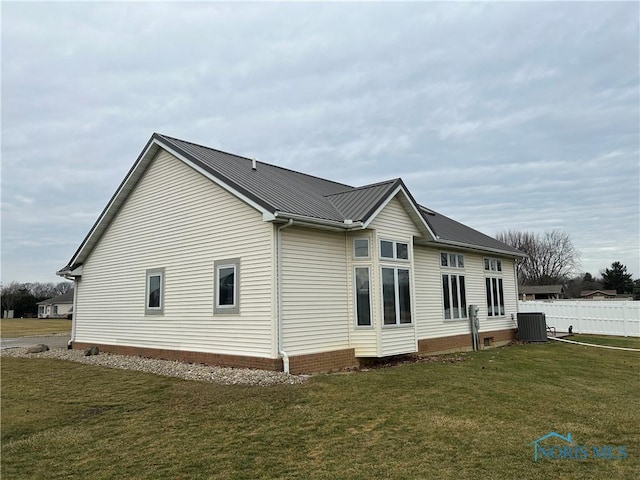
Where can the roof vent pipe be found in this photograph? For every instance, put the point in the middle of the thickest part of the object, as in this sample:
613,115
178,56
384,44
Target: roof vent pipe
253,164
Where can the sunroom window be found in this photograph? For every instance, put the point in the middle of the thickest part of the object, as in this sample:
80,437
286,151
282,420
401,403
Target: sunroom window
363,296
396,296
361,248
394,250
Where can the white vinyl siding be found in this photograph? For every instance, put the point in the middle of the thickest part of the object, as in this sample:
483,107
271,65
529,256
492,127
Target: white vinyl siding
315,292
178,219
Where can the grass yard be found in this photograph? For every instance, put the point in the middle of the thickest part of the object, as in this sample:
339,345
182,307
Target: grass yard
26,327
470,419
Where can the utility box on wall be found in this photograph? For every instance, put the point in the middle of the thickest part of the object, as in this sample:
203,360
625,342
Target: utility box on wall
532,327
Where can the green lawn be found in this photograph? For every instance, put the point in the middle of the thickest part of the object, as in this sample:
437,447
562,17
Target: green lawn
470,419
26,327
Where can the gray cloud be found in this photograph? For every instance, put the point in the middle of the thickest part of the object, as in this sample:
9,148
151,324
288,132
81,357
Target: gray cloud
503,115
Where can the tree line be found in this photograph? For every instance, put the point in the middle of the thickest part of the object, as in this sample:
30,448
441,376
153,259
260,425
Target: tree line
553,260
23,298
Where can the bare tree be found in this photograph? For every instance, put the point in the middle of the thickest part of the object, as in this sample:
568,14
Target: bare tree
551,259
11,295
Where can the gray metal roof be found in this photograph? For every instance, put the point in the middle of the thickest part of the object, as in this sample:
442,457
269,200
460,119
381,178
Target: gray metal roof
449,230
275,188
286,193
358,204
66,297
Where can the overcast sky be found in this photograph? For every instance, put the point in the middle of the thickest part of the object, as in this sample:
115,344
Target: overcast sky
502,115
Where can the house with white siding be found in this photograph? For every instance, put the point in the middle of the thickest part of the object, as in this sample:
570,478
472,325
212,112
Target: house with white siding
206,256
59,306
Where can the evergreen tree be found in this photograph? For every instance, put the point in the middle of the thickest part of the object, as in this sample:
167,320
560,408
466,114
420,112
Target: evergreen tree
616,278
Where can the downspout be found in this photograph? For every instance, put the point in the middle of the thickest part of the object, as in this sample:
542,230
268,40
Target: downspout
73,314
281,351
514,317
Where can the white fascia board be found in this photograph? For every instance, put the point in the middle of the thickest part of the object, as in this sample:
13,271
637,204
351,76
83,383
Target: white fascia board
265,213
390,197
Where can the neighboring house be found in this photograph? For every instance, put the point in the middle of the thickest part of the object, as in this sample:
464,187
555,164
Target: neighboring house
209,257
541,292
56,307
603,295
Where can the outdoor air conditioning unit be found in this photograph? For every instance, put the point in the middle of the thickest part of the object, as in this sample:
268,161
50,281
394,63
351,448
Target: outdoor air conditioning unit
532,327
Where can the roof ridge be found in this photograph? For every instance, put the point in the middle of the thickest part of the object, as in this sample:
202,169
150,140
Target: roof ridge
297,172
208,148
363,187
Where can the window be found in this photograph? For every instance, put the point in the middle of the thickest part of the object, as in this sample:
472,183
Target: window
495,297
454,296
363,296
396,296
451,260
402,251
155,292
226,286
386,249
394,250
360,248
492,265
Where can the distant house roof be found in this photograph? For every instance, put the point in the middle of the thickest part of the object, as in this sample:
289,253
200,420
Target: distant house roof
64,298
591,293
541,289
281,194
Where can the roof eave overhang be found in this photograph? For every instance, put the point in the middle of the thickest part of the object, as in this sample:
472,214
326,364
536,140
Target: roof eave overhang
475,248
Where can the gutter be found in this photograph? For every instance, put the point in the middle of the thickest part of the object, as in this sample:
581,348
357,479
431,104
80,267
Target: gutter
281,351
478,248
335,225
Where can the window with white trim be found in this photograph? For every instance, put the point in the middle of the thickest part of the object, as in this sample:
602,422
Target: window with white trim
492,265
454,296
363,296
495,297
361,248
394,250
396,296
154,292
451,260
226,286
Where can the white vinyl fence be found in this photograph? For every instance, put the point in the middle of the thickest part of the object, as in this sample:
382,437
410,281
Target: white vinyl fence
602,317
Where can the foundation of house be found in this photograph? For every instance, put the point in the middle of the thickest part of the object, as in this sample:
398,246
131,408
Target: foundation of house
322,362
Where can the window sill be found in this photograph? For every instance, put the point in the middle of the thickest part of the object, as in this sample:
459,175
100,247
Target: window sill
398,325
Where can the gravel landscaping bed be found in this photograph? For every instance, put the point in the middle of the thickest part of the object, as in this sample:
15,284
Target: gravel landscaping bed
186,371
